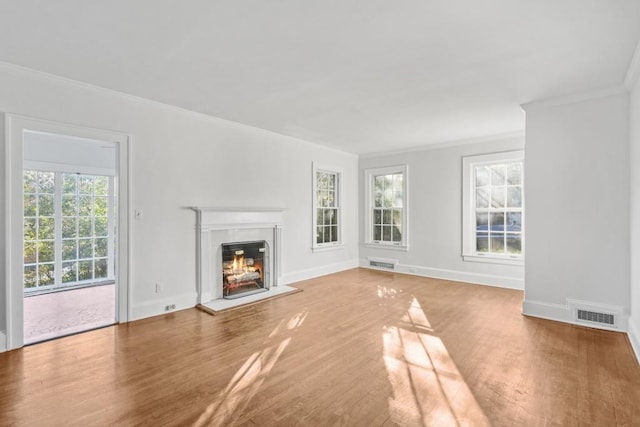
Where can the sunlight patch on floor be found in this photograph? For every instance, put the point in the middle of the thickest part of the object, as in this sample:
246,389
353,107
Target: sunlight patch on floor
427,387
230,403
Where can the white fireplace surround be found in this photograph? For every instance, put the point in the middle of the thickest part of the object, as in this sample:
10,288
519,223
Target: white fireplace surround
215,226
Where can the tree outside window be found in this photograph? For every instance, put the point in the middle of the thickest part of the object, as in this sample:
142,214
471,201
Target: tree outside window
66,229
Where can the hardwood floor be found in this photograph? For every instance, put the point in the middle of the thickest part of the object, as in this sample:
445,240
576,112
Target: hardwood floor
361,347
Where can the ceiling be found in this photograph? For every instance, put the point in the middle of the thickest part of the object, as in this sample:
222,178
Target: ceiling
361,76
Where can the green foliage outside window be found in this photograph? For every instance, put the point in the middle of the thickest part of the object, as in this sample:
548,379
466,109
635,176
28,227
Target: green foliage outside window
83,207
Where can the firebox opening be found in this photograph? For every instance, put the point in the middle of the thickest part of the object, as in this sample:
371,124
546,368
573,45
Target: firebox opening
243,268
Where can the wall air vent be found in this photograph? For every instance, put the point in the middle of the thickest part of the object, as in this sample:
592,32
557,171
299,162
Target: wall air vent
593,316
380,264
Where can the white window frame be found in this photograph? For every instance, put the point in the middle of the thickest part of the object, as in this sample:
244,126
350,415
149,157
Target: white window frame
469,252
369,176
58,239
320,247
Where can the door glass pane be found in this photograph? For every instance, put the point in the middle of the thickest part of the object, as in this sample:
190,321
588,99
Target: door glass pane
69,205
46,275
100,269
69,272
69,227
46,251
85,270
30,276
69,249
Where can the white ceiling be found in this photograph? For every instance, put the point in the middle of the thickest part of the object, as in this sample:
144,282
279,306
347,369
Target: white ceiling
362,76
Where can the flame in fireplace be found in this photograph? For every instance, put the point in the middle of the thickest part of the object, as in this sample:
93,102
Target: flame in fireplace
241,271
240,265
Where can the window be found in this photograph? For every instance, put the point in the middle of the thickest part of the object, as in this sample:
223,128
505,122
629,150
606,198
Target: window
327,219
386,206
493,207
66,229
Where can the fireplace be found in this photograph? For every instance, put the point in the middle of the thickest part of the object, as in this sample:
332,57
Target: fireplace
238,256
244,267
251,238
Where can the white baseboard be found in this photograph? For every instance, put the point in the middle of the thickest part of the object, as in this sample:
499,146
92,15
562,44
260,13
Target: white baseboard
3,341
454,275
566,313
310,273
634,337
157,306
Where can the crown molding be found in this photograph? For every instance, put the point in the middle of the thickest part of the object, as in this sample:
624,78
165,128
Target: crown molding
446,144
159,105
574,98
633,72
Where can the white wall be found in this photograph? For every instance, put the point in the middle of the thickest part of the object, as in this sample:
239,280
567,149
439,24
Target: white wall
435,215
634,321
181,159
3,259
577,168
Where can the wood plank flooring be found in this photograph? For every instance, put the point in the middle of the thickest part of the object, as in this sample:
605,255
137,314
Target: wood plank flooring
360,348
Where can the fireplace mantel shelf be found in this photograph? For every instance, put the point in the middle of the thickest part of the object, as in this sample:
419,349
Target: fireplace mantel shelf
228,217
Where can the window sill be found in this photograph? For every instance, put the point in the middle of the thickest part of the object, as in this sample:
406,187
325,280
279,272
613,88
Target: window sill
327,248
387,246
488,259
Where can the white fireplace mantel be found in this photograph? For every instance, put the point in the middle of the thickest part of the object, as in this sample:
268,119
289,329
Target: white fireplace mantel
211,218
215,225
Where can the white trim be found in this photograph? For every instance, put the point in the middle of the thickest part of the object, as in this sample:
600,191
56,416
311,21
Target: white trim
468,197
160,105
322,247
237,218
369,175
633,72
445,144
634,337
310,273
573,98
157,306
328,247
15,126
566,313
453,275
385,246
68,168
488,259
3,341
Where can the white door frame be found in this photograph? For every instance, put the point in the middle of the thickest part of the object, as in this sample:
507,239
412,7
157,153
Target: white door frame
15,125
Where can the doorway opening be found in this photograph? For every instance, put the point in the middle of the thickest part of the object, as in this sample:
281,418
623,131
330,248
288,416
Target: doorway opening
68,235
66,230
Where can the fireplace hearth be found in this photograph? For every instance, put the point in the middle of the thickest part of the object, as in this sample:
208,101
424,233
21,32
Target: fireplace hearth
243,268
